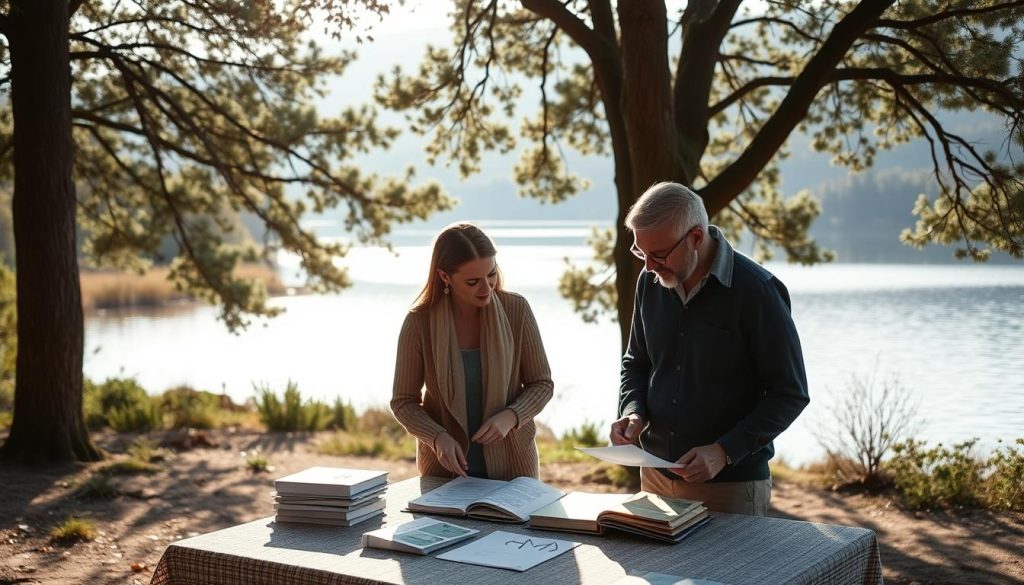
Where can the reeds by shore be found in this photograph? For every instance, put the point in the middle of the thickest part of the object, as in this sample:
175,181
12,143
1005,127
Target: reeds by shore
108,289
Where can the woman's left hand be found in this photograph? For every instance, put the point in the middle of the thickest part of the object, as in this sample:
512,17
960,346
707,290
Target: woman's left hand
495,428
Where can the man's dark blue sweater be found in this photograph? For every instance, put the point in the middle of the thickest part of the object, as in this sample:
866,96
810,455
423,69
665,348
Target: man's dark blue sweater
725,367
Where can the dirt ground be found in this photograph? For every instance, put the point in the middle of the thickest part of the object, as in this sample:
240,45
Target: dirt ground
208,488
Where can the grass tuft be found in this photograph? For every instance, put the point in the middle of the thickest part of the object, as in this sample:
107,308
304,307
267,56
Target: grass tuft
73,530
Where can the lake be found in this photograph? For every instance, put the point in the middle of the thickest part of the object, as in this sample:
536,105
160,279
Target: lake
952,335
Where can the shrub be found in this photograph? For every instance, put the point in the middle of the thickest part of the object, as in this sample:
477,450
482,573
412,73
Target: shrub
380,421
868,418
120,403
73,530
146,451
588,435
289,413
185,407
343,444
1005,487
939,476
342,416
258,463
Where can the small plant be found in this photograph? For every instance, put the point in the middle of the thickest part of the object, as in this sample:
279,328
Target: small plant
927,478
868,418
184,407
129,467
258,463
1005,486
343,417
73,530
146,451
120,403
98,487
361,445
380,422
289,413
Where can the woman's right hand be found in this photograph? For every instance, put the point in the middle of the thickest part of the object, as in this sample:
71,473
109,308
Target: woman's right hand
449,454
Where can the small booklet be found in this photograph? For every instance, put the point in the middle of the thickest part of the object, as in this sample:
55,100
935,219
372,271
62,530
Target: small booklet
505,550
421,536
661,518
488,499
330,481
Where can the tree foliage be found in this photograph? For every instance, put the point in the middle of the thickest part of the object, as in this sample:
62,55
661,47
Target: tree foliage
188,112
709,95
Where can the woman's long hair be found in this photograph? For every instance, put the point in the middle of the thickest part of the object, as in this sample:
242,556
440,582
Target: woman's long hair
454,246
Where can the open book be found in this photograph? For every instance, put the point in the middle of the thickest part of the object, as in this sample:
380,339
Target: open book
421,536
488,499
650,515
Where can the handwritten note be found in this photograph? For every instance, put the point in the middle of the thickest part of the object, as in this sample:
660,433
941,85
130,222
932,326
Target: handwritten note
507,550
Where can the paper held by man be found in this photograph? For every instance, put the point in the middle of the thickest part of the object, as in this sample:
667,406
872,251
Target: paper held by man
630,455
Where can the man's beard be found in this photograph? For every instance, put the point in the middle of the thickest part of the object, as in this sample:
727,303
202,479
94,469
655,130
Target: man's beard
668,279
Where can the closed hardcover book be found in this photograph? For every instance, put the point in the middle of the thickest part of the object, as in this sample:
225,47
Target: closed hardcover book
421,536
330,481
328,512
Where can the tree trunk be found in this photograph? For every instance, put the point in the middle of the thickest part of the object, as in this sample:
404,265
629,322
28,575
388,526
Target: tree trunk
48,423
650,129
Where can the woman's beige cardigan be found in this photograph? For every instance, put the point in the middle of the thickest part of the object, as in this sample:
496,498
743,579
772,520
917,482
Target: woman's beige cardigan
425,413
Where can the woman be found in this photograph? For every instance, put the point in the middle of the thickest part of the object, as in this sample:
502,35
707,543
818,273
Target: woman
478,351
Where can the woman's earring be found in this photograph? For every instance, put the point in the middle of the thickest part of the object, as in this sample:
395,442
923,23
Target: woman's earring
446,288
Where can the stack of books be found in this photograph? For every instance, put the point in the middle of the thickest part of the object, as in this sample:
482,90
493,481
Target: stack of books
330,495
645,514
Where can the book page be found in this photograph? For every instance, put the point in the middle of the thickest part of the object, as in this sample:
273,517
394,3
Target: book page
577,507
519,497
505,550
456,495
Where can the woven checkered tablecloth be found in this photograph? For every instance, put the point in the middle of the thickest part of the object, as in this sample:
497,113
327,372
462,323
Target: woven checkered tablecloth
731,549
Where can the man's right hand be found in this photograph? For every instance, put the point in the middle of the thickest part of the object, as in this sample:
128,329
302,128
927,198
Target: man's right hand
449,454
626,429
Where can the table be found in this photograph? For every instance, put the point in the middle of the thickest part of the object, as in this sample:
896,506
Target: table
731,549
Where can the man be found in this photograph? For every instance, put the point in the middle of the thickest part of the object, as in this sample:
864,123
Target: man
713,371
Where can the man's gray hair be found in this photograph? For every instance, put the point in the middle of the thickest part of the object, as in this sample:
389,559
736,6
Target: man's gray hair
667,204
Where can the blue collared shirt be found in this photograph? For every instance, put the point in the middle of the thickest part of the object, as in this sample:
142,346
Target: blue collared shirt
724,367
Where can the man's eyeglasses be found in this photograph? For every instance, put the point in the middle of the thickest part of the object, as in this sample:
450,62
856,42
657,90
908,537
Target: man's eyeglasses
662,258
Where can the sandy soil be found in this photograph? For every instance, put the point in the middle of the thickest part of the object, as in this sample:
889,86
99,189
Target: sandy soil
208,488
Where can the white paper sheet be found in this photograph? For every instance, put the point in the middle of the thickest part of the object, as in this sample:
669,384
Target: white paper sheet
627,455
505,550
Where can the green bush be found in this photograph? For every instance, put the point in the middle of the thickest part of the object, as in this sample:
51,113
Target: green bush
290,413
380,422
940,476
120,403
588,435
1005,487
343,444
185,407
343,416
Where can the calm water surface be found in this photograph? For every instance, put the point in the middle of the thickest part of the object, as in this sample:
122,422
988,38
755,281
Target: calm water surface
952,335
